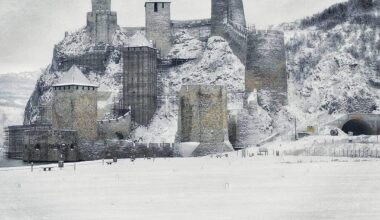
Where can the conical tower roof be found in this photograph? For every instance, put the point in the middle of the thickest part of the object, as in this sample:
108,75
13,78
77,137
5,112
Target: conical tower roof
74,77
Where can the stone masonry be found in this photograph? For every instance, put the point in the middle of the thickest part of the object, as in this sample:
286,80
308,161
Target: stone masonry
158,25
102,22
203,118
266,69
75,106
140,83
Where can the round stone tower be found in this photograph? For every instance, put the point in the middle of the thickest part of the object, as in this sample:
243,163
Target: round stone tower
236,12
266,68
219,16
158,25
75,105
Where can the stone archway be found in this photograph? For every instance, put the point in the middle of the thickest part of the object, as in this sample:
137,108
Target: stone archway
357,127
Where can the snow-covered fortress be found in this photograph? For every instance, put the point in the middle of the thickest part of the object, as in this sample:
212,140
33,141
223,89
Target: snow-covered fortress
119,80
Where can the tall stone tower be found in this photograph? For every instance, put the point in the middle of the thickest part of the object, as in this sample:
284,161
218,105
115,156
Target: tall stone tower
266,69
158,25
203,118
75,105
102,22
140,83
236,12
224,11
219,16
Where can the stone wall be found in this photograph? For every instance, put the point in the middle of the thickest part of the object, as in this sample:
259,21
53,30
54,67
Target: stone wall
203,118
123,149
200,29
140,83
119,128
75,108
158,25
266,68
47,145
95,60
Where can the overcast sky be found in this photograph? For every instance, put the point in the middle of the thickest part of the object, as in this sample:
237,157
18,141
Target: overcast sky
30,28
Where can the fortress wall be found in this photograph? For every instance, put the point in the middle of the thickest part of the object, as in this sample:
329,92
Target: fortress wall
237,39
200,29
46,145
115,129
123,149
90,61
266,68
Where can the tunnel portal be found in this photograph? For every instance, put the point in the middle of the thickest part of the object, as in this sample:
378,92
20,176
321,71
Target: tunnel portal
357,127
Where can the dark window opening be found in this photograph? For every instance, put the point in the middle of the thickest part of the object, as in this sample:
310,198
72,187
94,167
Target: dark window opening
77,87
38,147
155,7
119,136
72,146
163,5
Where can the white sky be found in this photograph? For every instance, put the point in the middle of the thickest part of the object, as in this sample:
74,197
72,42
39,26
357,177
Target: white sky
30,28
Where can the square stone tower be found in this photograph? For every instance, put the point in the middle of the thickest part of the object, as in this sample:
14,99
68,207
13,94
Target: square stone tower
158,25
203,118
140,83
102,22
75,105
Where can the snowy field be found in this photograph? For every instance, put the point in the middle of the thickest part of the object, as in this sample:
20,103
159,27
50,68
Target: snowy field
196,188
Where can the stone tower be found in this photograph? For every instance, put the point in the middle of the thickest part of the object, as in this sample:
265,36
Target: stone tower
203,118
158,25
266,69
140,83
236,12
75,105
102,22
101,5
224,11
219,16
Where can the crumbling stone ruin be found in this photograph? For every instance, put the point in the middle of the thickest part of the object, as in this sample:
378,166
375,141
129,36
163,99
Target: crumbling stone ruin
203,118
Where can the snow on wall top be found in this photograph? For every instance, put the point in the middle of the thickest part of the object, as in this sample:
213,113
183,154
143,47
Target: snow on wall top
74,77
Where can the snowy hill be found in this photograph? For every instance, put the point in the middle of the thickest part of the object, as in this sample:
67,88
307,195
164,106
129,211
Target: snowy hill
15,90
333,61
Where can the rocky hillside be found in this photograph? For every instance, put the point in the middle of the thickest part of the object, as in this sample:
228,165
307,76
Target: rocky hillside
333,61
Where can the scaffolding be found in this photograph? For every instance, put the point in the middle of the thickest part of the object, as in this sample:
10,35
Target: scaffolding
15,139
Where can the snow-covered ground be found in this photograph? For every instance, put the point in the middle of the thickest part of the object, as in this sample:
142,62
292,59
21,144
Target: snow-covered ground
283,188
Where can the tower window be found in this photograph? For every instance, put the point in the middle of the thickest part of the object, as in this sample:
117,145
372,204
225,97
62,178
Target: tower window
163,5
155,7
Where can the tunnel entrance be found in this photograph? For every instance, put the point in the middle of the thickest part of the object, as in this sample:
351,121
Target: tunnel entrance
357,127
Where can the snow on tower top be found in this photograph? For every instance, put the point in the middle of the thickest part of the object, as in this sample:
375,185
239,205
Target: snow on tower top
74,77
